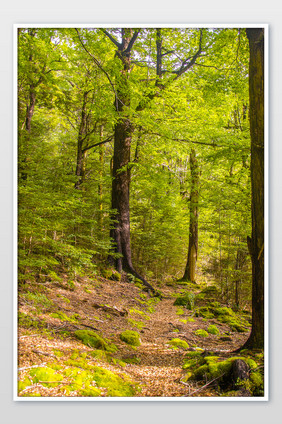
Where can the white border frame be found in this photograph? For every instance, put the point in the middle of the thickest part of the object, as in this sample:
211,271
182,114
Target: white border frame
266,216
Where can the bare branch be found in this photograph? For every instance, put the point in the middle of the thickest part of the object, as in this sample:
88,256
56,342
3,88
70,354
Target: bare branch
98,144
132,41
112,38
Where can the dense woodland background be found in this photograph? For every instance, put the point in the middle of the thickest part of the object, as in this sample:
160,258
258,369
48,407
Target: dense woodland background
187,104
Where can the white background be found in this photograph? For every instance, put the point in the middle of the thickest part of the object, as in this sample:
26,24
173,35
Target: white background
129,12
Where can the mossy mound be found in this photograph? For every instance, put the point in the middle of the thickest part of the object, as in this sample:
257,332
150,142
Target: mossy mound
92,339
201,333
130,337
212,329
178,344
85,379
212,367
111,274
187,299
225,315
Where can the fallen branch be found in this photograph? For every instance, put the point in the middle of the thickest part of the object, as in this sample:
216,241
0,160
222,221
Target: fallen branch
32,366
205,385
44,353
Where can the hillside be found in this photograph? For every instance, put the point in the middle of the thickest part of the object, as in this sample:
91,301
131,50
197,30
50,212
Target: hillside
70,344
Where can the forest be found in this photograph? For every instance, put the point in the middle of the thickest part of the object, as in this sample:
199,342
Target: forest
140,212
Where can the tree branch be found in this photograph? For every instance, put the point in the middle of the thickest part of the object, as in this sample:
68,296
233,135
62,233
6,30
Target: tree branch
98,64
98,144
113,40
132,41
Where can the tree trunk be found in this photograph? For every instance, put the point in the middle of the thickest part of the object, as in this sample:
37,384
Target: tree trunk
120,232
190,269
81,154
256,244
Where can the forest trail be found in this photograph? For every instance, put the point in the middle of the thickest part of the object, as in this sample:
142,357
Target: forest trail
51,312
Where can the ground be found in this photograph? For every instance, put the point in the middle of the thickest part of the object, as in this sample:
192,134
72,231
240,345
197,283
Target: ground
54,362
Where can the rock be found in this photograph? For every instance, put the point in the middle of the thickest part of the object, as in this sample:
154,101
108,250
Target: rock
240,371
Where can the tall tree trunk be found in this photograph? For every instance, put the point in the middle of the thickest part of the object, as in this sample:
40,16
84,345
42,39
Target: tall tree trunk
81,154
256,244
190,269
120,232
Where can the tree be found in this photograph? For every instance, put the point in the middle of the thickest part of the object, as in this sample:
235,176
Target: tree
123,130
190,268
256,243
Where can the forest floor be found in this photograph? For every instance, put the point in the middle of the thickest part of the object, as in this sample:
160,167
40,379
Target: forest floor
54,362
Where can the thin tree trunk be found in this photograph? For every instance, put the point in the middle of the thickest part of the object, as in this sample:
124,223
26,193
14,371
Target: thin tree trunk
100,185
256,244
190,269
81,154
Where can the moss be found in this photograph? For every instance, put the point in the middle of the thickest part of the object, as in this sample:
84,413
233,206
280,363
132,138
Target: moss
46,376
179,311
130,337
87,290
204,312
178,344
136,324
132,360
184,321
234,323
89,338
70,285
201,333
63,317
24,384
187,300
212,329
65,299
190,320
134,311
38,299
223,310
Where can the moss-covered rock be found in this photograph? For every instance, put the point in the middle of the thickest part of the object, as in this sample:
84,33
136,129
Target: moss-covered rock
187,299
130,337
92,339
212,329
178,344
201,333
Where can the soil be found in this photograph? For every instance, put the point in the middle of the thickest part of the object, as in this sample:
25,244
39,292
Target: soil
108,308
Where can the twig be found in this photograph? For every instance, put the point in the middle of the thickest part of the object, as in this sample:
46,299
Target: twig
32,366
205,385
29,335
44,353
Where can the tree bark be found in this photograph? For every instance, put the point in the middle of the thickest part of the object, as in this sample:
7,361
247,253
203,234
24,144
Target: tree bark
190,269
256,244
120,232
81,154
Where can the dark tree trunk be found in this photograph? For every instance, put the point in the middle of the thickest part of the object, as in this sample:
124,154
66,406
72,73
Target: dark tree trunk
256,244
239,263
81,154
120,233
190,269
